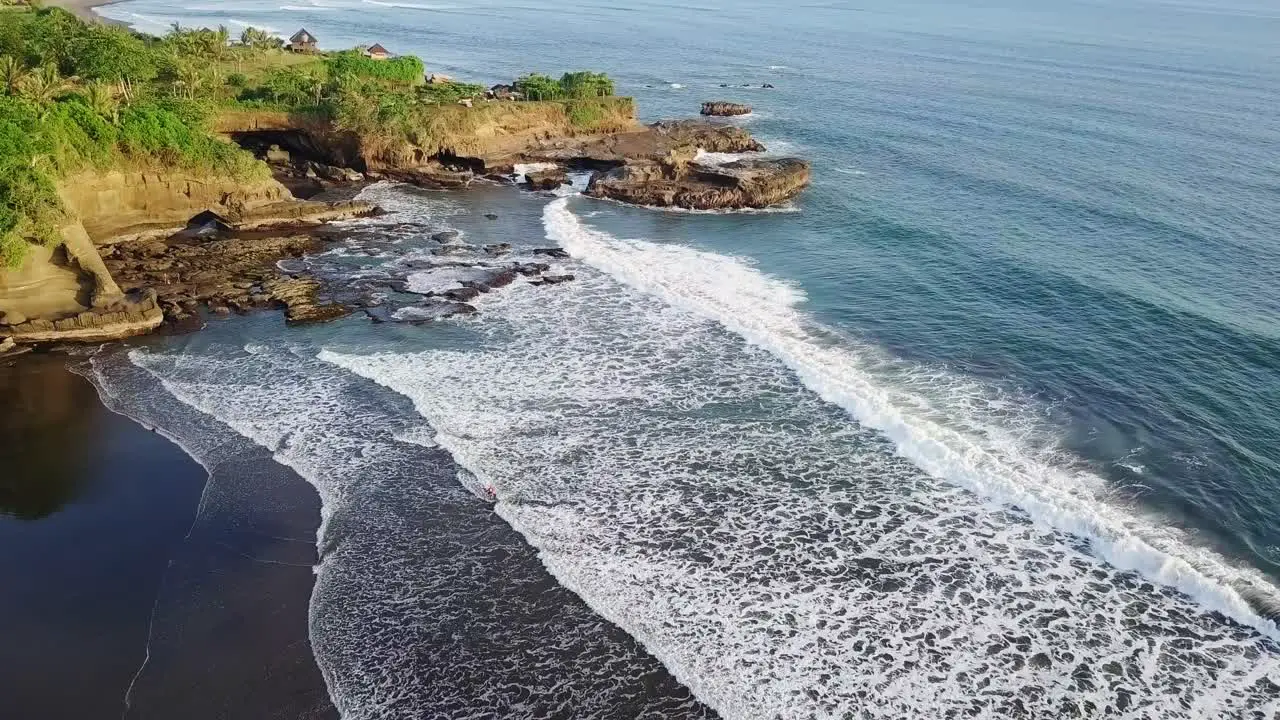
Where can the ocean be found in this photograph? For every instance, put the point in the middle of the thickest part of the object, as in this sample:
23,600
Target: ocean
982,425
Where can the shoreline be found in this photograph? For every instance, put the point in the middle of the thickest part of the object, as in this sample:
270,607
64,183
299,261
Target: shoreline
86,9
159,605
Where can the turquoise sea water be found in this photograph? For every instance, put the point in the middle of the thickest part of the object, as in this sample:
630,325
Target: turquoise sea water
984,422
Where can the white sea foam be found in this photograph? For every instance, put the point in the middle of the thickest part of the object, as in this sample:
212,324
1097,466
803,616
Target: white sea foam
260,26
763,310
424,605
409,5
720,158
521,171
781,559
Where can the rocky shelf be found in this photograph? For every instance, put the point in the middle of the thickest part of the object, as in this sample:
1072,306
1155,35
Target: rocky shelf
739,184
720,108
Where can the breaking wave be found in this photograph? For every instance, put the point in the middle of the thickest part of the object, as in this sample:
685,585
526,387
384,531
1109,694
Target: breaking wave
679,449
979,456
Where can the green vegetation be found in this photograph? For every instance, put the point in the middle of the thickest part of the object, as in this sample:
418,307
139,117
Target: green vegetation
77,96
570,86
452,92
405,69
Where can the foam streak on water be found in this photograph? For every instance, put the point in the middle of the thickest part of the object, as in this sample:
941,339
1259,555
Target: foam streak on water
780,559
424,605
989,462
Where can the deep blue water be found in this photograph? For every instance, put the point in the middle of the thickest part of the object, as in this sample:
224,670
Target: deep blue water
1038,267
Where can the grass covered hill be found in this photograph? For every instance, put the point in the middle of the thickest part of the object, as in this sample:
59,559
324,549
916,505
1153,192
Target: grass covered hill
83,96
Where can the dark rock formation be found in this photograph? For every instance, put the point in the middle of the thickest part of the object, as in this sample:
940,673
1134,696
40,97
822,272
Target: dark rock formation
432,309
432,175
230,275
554,252
720,108
300,298
546,179
462,294
453,250
741,184
552,280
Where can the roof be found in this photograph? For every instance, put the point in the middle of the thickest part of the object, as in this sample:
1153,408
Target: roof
377,49
302,36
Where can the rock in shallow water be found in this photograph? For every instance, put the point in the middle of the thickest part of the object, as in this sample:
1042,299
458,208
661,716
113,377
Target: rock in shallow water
721,108
556,252
547,179
430,310
735,185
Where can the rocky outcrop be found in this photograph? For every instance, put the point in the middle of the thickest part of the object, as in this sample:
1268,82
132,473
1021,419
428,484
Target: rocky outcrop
70,293
668,141
431,175
720,108
222,276
132,314
489,129
546,179
741,184
300,297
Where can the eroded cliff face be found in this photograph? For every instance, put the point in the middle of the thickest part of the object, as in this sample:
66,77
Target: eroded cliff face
118,206
472,137
67,293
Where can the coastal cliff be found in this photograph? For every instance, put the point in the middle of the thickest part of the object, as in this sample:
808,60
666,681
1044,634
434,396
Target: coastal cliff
463,136
67,293
133,191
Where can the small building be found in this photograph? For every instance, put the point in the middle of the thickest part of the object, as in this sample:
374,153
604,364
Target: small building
302,42
377,52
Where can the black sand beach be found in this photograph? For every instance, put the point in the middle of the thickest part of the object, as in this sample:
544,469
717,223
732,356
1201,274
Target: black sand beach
111,584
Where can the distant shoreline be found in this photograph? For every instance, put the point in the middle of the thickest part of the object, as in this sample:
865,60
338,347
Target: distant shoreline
85,9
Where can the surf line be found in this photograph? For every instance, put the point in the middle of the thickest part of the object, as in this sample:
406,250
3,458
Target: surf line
762,310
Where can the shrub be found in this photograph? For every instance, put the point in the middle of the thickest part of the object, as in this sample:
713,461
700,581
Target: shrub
584,84
112,55
445,93
535,86
585,114
575,85
404,69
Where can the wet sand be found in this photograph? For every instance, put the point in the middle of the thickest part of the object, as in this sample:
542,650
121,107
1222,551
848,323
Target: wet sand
111,583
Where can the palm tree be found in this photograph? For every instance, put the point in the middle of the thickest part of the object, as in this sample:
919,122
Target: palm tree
188,81
12,72
314,84
44,85
223,39
103,100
